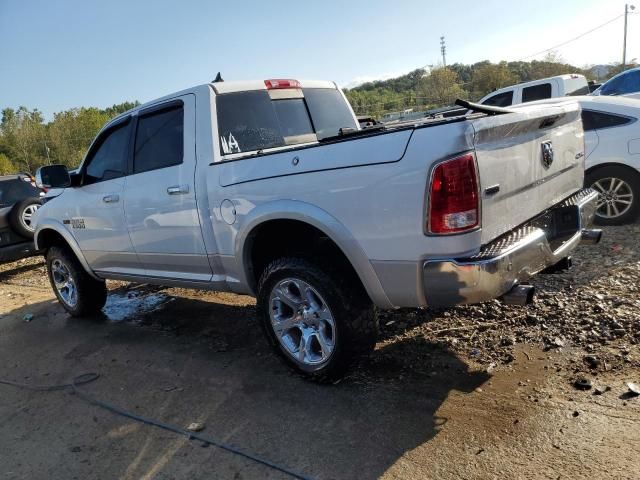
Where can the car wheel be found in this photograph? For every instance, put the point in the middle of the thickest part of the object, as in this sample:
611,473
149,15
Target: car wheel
21,216
319,321
79,293
619,194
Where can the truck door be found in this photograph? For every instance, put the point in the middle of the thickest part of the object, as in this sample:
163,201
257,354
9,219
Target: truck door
160,199
95,213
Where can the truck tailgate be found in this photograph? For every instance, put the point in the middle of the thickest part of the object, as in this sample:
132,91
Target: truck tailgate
528,161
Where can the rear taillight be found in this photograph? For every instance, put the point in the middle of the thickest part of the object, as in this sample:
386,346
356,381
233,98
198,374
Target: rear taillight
275,84
453,196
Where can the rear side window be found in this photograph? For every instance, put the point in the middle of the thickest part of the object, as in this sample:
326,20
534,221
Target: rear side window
159,139
329,111
536,92
592,120
108,157
15,190
503,99
247,122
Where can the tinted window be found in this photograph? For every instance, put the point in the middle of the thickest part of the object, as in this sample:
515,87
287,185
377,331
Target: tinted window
504,99
612,87
597,120
329,111
247,122
14,190
630,82
108,157
292,117
536,92
159,140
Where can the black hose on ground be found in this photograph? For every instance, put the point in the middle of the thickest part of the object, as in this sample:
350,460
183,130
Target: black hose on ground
90,377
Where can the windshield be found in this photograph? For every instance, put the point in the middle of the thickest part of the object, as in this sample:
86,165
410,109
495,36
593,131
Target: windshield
252,121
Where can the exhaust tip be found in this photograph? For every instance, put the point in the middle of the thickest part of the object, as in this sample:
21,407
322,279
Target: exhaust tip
520,295
591,236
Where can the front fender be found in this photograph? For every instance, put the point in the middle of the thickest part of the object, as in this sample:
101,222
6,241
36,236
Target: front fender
323,221
56,226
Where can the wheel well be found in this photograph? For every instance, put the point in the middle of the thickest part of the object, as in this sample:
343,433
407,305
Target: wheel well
50,238
612,164
279,238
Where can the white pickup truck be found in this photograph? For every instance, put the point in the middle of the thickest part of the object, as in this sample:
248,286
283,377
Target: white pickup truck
270,188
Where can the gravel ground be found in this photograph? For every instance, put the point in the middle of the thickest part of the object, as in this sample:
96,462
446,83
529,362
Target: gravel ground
593,310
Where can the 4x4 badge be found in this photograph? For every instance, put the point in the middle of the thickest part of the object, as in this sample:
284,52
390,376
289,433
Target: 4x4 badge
547,154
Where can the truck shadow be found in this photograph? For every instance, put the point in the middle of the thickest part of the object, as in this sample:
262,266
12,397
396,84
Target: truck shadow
216,355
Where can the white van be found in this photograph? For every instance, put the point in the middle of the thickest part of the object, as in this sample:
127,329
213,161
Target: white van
560,86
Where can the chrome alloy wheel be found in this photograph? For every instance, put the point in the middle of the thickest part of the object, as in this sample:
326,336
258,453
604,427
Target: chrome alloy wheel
27,216
302,322
64,283
615,199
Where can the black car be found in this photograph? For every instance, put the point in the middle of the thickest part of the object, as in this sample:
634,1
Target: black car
19,200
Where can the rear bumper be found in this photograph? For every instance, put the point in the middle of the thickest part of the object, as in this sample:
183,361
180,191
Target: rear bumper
514,257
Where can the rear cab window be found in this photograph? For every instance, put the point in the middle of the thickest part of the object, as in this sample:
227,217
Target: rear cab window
504,99
536,92
257,120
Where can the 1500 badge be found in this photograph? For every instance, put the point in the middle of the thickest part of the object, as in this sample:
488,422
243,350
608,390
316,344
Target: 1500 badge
75,222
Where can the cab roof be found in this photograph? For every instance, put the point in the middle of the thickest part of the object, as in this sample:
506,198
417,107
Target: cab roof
248,85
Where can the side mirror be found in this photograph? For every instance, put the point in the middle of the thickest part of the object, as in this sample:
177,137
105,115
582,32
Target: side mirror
53,176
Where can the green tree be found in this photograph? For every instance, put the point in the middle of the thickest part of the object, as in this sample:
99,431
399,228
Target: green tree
490,77
441,87
25,135
71,133
6,167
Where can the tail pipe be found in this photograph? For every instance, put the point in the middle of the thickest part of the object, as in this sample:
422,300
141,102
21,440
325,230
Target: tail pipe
519,295
591,236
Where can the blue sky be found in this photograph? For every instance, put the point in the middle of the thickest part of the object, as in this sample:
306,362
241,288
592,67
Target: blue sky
67,53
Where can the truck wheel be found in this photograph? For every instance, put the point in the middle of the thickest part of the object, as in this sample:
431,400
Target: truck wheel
80,294
21,216
619,189
318,321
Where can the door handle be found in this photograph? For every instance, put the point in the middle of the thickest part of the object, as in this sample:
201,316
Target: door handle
178,189
110,199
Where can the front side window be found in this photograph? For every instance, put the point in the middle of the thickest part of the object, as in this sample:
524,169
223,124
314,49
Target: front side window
536,92
592,120
108,157
159,139
503,99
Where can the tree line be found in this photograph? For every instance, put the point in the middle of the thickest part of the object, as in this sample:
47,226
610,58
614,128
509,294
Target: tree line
28,142
424,89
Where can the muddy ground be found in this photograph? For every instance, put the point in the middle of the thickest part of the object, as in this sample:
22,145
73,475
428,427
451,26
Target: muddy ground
471,392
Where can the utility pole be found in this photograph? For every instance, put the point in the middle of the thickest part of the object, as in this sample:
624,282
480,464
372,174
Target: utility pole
627,7
443,48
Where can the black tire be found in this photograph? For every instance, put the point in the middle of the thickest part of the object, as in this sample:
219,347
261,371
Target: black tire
353,313
17,220
91,294
631,178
